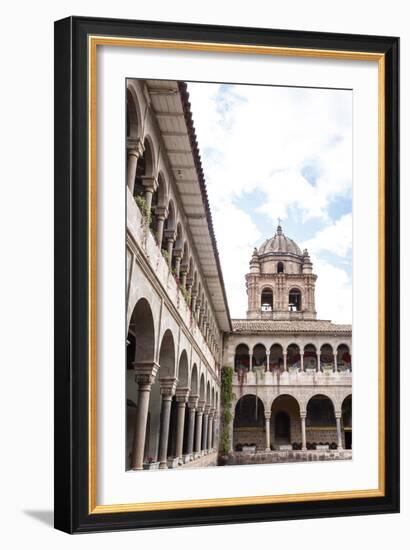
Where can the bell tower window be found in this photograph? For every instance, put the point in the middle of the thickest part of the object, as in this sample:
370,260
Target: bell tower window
267,299
295,300
280,268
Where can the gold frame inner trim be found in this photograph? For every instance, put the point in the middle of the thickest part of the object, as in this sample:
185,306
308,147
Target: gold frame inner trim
93,42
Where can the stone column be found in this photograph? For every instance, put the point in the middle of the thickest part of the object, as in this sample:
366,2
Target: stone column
285,360
335,362
193,300
167,391
214,430
250,361
267,360
338,416
302,367
209,442
303,429
198,427
198,309
170,238
134,151
267,430
145,374
150,184
317,362
182,398
205,429
161,213
183,273
178,258
192,404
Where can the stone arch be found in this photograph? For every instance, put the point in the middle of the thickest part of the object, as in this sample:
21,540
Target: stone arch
267,298
202,388
242,359
171,218
320,421
326,356
194,380
162,191
310,357
134,114
285,421
295,299
145,169
344,359
158,202
167,355
208,393
276,357
249,422
141,334
259,356
293,355
183,370
346,409
150,156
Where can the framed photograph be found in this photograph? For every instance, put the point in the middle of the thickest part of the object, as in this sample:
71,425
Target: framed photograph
226,274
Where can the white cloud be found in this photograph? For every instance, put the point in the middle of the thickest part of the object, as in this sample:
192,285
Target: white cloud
237,235
294,148
333,292
336,237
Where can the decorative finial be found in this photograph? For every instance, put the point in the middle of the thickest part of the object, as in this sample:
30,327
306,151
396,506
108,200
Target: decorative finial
279,228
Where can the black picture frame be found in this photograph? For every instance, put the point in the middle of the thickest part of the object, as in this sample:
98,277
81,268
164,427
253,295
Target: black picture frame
71,489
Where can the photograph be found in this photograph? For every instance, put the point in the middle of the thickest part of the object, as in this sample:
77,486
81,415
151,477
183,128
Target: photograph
238,328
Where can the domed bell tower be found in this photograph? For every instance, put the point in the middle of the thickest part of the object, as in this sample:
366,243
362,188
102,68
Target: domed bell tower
281,283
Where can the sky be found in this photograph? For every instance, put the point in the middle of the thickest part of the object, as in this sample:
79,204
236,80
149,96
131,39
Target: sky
279,152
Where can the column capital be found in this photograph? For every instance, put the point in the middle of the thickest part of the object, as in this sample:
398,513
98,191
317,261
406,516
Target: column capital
284,352
168,386
200,407
193,401
182,394
145,372
338,414
267,415
207,409
170,234
150,183
303,414
178,253
135,146
161,212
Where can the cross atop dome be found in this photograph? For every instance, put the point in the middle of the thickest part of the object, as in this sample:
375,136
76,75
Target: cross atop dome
279,228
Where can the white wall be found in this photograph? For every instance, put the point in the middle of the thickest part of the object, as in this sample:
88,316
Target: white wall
26,259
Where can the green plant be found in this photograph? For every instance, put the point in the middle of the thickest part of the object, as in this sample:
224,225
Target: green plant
145,210
186,295
165,255
226,400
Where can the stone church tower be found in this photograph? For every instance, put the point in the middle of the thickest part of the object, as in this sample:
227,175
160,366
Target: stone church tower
281,283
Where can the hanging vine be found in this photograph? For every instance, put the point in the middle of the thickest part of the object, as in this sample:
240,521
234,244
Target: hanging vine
226,400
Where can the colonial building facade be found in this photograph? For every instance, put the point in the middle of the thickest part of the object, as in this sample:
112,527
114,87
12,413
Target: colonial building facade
292,381
177,310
